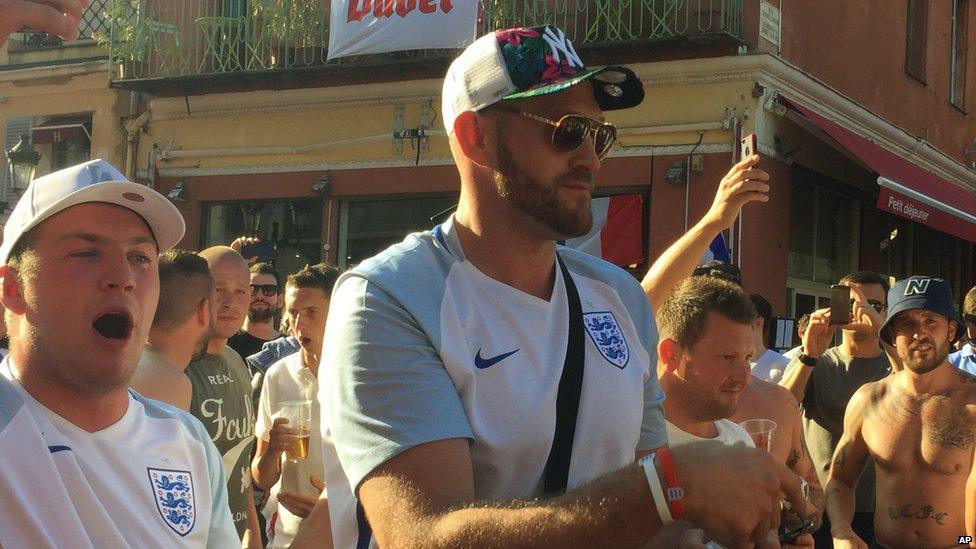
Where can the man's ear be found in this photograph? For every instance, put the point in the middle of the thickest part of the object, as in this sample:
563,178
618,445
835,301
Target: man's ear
203,312
669,353
474,133
12,293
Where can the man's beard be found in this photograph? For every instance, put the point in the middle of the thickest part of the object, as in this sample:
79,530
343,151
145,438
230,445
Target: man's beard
200,348
261,315
924,366
541,201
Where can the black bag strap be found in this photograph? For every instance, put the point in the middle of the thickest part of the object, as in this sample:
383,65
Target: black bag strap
568,395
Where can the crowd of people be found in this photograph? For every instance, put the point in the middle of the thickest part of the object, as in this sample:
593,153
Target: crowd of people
475,385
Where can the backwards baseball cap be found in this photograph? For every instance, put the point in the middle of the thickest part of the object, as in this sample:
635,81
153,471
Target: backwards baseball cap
525,62
919,292
94,181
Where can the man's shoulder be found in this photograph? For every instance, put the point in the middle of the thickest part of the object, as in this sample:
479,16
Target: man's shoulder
158,410
284,366
773,393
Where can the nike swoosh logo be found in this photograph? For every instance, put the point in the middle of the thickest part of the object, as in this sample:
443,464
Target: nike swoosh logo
482,363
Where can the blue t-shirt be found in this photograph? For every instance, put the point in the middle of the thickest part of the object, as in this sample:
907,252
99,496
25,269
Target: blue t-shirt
964,359
421,346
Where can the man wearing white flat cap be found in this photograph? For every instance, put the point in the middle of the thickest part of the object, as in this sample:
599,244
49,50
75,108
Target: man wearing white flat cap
86,461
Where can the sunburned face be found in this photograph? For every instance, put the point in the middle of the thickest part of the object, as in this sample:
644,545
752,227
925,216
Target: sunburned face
922,339
232,294
716,370
90,292
550,186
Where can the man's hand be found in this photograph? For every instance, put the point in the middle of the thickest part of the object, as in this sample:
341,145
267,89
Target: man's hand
804,541
741,185
280,438
238,244
58,17
302,504
847,539
862,313
819,334
735,490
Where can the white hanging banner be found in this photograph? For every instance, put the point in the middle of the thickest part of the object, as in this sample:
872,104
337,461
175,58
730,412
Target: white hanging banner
374,26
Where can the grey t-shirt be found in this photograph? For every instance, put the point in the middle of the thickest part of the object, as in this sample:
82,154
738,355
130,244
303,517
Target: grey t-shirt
222,401
833,382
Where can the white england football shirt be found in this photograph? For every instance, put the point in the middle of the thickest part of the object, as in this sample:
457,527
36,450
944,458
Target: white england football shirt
152,479
421,346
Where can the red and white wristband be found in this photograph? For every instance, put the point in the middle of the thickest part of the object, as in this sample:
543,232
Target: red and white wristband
668,500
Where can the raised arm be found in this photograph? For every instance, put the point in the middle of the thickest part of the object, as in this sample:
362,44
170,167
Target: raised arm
849,458
816,340
741,185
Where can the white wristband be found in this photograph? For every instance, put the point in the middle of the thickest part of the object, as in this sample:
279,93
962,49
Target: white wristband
657,491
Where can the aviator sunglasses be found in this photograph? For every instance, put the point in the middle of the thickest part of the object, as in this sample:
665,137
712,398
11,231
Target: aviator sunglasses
268,290
570,131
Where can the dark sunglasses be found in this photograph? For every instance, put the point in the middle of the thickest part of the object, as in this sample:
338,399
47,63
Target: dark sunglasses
570,131
878,306
267,289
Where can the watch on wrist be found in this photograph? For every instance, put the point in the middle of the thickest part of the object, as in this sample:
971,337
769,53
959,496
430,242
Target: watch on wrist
807,360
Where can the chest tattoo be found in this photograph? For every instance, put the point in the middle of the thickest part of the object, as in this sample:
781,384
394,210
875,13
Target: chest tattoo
951,429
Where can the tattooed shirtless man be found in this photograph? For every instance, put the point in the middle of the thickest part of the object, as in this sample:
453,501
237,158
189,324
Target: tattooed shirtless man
918,424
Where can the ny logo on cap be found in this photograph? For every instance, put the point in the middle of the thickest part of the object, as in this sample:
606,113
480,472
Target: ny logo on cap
917,286
557,41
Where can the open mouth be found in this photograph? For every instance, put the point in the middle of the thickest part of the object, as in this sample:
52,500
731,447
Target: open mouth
113,326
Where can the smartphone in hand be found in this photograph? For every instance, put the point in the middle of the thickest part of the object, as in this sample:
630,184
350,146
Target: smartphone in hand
747,146
840,304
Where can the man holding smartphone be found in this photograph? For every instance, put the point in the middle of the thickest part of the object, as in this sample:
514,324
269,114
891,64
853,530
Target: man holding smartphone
823,379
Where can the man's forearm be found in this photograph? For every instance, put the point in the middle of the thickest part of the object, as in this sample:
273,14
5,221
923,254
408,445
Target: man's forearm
839,504
616,511
678,261
266,469
795,378
252,536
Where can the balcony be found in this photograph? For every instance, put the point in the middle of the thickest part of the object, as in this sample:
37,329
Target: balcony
194,46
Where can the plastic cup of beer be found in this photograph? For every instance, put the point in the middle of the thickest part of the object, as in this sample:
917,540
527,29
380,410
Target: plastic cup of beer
761,431
299,416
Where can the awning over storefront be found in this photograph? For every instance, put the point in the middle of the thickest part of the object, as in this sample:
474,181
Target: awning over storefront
62,129
907,190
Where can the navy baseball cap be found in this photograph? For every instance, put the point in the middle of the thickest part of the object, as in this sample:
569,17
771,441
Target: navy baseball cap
919,292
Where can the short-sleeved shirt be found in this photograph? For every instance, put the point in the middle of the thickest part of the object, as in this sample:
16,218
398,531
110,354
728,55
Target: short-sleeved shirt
245,344
421,346
729,432
833,382
965,359
151,479
222,400
289,380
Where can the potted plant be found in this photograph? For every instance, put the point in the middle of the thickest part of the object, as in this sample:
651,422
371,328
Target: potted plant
307,24
129,38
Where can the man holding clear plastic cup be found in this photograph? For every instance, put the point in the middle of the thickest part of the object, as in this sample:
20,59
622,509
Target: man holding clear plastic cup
289,444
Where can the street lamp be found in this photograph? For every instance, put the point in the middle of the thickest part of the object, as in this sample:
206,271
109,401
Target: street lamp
22,160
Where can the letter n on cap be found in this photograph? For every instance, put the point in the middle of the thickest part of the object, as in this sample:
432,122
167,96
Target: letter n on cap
917,286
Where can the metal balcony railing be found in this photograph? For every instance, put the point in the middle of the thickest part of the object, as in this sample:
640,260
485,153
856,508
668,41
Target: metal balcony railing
152,39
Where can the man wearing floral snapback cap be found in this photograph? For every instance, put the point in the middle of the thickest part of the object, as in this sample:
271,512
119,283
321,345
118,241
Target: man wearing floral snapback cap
919,426
474,368
86,462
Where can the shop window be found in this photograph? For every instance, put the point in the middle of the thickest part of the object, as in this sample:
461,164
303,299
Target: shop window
916,38
823,240
368,226
295,228
957,66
